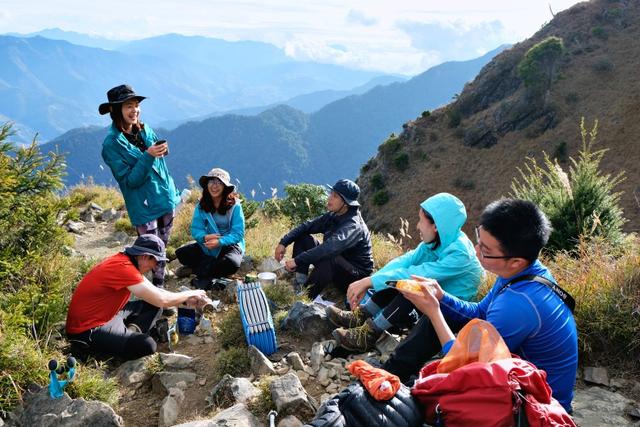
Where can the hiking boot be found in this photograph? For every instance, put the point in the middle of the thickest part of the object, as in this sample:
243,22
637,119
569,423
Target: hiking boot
346,318
359,339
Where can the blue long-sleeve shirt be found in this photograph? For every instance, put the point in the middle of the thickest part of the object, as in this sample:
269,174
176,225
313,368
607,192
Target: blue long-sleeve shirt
534,323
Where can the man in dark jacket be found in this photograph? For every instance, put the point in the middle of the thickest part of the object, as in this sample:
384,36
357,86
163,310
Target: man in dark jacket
343,257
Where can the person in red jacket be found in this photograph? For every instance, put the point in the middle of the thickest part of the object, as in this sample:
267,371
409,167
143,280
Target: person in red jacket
101,317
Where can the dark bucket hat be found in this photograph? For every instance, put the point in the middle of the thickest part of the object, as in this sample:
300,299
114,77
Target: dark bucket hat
118,95
148,244
348,190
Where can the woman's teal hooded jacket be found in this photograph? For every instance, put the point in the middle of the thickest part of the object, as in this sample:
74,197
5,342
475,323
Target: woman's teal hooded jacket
203,223
148,190
453,263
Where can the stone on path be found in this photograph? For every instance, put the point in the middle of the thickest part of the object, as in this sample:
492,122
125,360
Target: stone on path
260,365
235,416
598,376
308,319
133,372
176,360
290,397
289,421
162,382
170,408
230,391
595,407
295,361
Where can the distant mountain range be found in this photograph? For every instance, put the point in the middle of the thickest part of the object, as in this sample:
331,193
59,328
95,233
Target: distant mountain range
282,144
51,86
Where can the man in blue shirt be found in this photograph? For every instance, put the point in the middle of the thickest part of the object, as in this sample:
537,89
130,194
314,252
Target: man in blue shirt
533,320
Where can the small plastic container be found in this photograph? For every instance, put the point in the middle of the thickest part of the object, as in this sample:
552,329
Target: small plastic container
186,325
186,320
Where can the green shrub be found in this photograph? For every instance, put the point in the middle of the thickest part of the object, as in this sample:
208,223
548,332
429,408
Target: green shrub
401,161
262,403
230,331
560,152
602,66
367,166
281,294
581,204
233,361
380,197
124,224
539,65
390,146
464,183
249,209
303,202
425,114
599,32
91,384
106,197
454,117
377,181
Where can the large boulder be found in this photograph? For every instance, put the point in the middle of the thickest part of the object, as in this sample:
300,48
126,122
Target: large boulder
308,319
596,406
39,409
290,397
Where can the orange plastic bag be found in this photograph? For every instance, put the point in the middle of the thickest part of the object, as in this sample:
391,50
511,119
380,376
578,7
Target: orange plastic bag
478,341
380,384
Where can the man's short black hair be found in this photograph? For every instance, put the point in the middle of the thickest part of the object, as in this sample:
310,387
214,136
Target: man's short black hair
519,225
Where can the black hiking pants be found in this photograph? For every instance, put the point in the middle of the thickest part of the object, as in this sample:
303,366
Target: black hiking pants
336,270
417,349
114,339
208,267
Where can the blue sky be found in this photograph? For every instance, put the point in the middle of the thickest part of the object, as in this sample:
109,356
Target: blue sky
398,36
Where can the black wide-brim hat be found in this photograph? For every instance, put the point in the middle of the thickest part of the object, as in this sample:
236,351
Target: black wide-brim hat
118,95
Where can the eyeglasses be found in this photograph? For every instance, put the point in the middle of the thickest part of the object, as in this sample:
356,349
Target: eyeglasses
482,255
215,181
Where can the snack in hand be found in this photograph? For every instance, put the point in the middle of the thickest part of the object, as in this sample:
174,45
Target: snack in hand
410,286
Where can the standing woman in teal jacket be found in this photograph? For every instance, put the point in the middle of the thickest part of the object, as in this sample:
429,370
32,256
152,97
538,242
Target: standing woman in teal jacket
445,254
218,228
139,167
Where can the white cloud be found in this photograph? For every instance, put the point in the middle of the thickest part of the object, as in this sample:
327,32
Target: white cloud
456,40
358,17
400,36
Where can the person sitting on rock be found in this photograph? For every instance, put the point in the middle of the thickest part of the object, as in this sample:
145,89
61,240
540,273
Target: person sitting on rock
530,313
345,252
218,228
102,320
445,254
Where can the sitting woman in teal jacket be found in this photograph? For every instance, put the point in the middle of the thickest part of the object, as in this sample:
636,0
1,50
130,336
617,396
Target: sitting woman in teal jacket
445,254
218,228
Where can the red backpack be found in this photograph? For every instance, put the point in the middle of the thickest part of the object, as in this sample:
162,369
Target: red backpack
485,394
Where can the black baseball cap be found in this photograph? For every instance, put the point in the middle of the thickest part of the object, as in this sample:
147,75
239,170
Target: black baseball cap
148,244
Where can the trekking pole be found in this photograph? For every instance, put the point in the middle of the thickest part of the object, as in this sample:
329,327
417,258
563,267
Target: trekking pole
272,418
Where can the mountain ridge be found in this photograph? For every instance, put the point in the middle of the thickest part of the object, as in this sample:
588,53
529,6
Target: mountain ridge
474,146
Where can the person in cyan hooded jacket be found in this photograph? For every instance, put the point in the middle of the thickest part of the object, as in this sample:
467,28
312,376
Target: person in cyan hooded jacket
132,152
218,228
445,254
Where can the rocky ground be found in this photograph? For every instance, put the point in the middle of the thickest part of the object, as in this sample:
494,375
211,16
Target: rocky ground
178,387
